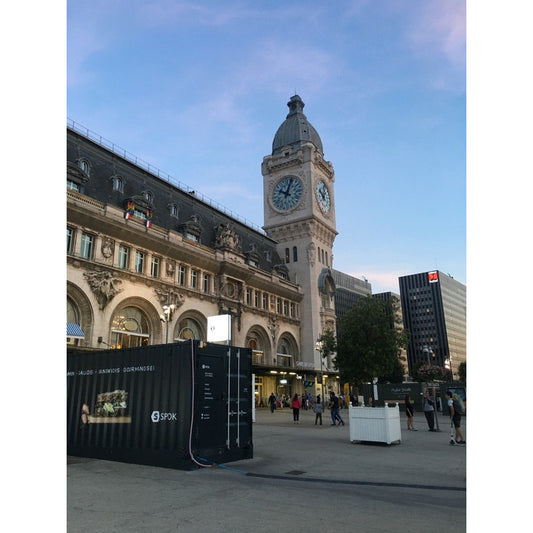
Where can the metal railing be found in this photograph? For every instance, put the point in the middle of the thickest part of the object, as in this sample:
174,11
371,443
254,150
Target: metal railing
112,147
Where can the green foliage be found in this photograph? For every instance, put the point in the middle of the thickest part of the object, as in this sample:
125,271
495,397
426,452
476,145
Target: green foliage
327,343
461,370
369,340
396,375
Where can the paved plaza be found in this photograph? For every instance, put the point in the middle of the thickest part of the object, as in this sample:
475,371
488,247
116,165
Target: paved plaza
302,478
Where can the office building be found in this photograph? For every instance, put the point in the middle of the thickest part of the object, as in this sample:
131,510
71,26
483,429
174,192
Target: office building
434,314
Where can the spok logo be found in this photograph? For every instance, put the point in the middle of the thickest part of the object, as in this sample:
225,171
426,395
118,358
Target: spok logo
163,417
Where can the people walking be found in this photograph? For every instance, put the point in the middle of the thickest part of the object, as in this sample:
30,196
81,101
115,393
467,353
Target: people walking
296,405
429,410
272,402
455,417
318,410
334,406
410,413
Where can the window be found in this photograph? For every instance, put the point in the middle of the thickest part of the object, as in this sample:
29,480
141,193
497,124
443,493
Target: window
265,301
182,273
285,307
206,283
293,310
294,254
279,306
70,240
287,256
73,186
188,328
129,329
173,210
257,298
87,244
148,196
155,267
195,275
139,262
123,257
84,165
117,183
248,296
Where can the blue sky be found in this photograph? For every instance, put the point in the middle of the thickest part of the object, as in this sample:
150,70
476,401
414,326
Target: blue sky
199,88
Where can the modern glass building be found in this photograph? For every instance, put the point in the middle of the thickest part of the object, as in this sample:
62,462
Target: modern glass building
434,313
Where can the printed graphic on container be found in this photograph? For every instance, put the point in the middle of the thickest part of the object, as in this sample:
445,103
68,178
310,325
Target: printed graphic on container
109,408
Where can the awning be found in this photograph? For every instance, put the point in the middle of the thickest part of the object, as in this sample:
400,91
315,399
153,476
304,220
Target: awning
75,331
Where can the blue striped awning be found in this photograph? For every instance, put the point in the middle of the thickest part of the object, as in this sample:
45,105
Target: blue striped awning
74,330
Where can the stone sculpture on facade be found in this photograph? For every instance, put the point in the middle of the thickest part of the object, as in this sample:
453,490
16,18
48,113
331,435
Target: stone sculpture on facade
103,285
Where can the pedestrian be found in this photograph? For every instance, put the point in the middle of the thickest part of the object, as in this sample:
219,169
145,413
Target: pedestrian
272,402
410,413
334,406
296,405
353,400
429,410
455,417
369,404
318,410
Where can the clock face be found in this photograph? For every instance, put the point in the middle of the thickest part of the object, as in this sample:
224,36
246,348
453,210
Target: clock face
287,193
322,196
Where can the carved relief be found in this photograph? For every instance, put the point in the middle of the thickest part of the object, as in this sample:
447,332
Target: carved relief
168,297
273,326
108,247
226,237
311,253
103,285
171,268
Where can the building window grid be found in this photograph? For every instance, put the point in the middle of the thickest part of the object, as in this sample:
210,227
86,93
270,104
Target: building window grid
139,262
123,257
182,275
195,276
70,240
155,266
206,283
87,244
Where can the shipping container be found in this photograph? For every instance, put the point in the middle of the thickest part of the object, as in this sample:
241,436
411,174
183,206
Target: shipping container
180,405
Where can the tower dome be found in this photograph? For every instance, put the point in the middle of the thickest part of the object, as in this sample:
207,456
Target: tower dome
296,129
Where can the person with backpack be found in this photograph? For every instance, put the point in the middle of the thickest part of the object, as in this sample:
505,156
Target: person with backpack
455,417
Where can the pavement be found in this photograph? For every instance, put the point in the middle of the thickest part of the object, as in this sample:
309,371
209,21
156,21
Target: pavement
302,478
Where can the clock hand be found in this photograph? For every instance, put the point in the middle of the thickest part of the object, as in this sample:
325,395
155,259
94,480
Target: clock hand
286,191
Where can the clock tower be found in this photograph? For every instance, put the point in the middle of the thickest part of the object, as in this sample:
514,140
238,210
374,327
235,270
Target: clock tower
299,213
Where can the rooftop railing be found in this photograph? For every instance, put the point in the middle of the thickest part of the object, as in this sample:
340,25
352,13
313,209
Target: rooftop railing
112,147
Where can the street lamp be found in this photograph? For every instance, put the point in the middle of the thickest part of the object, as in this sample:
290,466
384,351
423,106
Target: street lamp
318,347
166,316
427,350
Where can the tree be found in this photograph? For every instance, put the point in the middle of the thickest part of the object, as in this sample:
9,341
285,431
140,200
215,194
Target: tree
369,340
461,370
327,343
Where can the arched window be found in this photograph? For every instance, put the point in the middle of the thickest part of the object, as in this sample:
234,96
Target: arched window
286,352
294,254
129,328
118,184
188,328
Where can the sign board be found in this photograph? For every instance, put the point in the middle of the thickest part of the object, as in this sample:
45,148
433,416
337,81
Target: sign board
219,328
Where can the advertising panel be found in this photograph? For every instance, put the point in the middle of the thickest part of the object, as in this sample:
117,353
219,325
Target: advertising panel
160,405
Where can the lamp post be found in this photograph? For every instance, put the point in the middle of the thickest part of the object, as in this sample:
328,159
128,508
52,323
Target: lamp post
166,316
318,347
427,350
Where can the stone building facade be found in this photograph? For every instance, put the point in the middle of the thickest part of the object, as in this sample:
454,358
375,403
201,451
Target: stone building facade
149,260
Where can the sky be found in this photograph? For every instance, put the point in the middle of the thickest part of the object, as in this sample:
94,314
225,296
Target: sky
198,89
